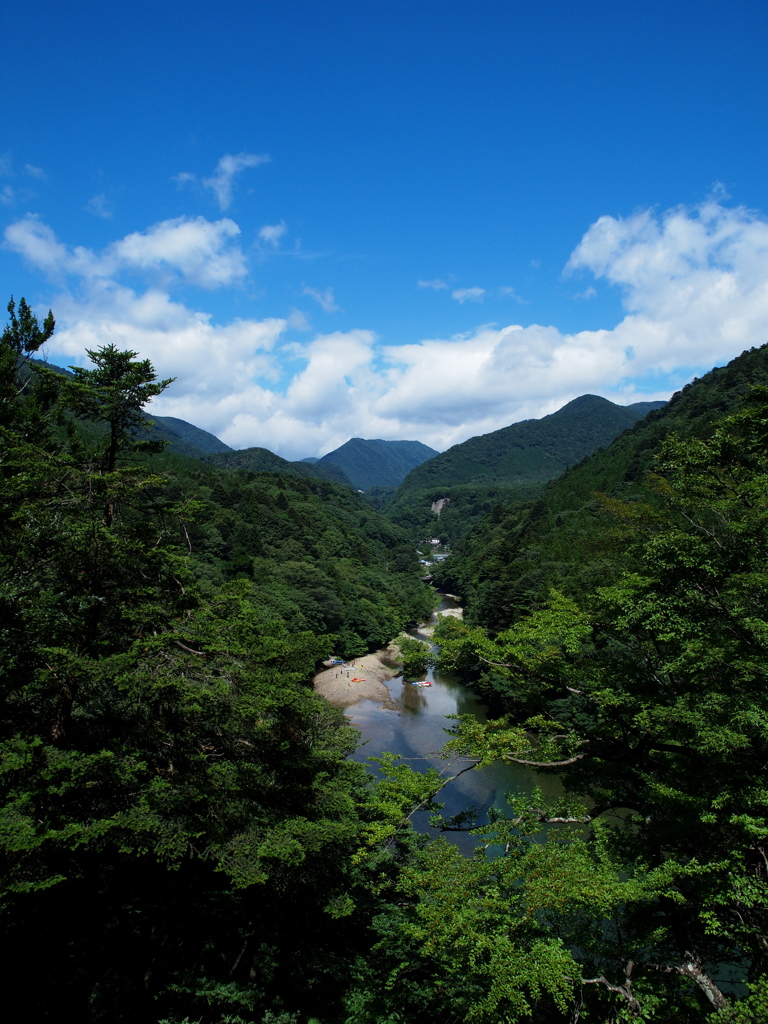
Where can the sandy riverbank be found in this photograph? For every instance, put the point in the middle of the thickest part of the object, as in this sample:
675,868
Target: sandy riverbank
360,679
449,613
363,678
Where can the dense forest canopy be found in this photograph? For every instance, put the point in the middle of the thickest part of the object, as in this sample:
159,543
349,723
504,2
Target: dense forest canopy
648,695
559,538
377,463
178,811
183,836
509,465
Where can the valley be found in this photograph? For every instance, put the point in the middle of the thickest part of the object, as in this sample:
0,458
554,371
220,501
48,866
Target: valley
191,832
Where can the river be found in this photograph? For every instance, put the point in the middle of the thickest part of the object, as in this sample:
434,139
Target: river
417,732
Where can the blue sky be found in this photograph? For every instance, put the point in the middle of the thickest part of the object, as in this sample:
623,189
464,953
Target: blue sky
419,220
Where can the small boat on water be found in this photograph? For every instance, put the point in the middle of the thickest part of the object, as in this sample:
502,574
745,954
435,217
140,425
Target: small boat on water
423,682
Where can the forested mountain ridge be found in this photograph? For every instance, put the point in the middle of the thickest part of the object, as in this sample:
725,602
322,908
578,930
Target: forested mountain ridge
262,460
185,438
511,464
377,463
513,556
358,463
625,649
536,449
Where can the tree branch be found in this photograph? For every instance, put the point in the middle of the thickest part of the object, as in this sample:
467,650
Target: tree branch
692,968
544,764
431,796
200,654
624,990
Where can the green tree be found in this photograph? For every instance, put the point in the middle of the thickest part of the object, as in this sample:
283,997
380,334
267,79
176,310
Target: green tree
22,336
649,699
115,393
415,655
20,339
178,811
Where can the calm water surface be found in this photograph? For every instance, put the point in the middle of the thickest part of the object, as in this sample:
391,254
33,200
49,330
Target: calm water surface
418,732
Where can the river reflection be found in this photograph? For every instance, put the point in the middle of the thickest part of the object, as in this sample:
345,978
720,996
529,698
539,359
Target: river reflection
419,731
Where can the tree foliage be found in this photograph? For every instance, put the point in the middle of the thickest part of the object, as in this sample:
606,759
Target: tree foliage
115,392
179,817
182,834
528,544
648,698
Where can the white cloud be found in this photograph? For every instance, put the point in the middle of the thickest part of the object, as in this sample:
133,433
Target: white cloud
213,364
693,281
695,291
200,251
222,180
325,299
436,284
325,404
463,295
35,172
492,377
38,245
7,196
99,206
272,233
507,292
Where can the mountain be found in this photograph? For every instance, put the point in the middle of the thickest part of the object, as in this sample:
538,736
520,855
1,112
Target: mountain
261,460
511,464
532,449
513,556
377,463
185,438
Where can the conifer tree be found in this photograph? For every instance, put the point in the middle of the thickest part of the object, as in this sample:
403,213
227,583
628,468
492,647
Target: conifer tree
177,808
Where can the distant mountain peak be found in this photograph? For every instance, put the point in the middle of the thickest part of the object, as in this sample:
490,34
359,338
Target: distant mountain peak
378,463
187,439
582,401
517,460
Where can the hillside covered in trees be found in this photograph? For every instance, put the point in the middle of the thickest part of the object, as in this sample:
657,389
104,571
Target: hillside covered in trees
561,539
377,463
183,836
260,460
179,819
185,438
511,464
